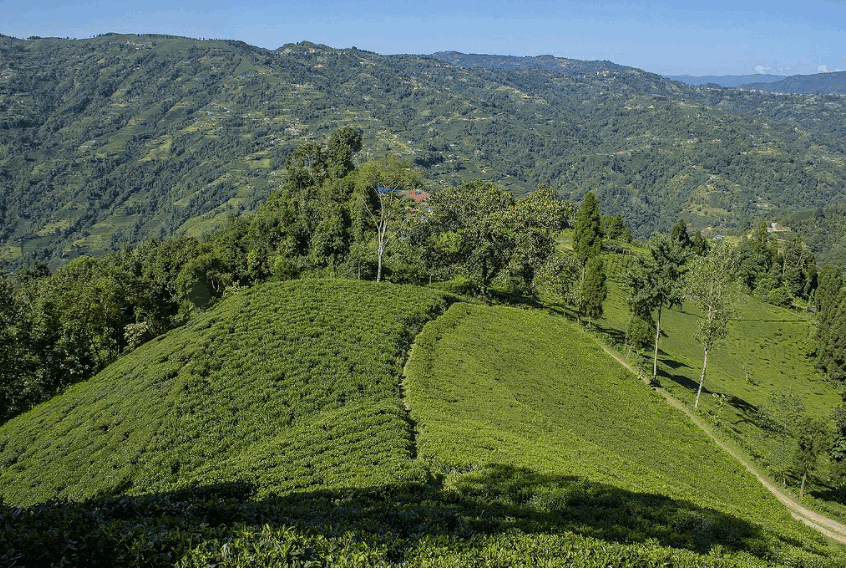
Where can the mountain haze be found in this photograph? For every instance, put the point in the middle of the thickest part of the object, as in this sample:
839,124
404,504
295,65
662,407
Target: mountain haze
820,83
725,80
115,139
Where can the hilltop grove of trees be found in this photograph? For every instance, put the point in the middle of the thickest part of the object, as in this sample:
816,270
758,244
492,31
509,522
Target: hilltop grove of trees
334,216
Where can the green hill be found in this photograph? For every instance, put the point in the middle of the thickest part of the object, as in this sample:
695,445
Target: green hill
493,386
289,385
760,379
279,428
114,139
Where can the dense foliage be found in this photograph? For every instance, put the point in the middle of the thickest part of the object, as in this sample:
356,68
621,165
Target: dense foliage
830,302
824,230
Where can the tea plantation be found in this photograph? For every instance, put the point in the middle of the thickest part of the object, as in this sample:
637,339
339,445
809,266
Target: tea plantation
530,400
274,429
761,380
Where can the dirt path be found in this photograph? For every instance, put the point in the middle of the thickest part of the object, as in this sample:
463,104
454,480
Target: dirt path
822,524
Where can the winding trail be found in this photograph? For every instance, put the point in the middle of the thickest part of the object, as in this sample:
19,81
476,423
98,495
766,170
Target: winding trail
831,528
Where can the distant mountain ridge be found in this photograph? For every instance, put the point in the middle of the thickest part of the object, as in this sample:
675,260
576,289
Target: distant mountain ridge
725,80
111,140
833,83
547,62
821,83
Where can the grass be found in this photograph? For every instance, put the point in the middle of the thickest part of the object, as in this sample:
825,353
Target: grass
763,361
493,386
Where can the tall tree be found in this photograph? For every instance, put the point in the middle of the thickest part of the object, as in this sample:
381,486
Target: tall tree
657,283
711,288
594,291
830,301
680,235
560,277
587,237
535,219
613,227
837,452
755,257
797,267
16,357
379,185
343,145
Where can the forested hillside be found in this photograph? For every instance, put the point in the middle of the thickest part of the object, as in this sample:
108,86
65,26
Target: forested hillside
115,139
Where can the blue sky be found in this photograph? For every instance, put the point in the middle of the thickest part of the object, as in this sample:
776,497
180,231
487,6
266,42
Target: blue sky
782,37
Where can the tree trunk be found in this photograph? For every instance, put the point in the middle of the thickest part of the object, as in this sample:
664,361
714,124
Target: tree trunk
701,378
657,336
381,235
381,229
379,262
802,489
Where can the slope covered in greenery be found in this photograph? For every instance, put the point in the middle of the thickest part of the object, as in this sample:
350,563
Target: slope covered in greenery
761,379
824,230
114,139
286,386
273,430
532,401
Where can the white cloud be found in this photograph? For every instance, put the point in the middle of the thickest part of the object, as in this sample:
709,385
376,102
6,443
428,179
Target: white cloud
823,68
762,69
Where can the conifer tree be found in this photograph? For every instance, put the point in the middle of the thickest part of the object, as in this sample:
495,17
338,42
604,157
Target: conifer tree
587,238
680,235
594,290
830,302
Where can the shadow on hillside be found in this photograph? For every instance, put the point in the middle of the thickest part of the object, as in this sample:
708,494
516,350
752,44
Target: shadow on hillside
160,529
827,492
671,363
680,379
618,336
742,405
